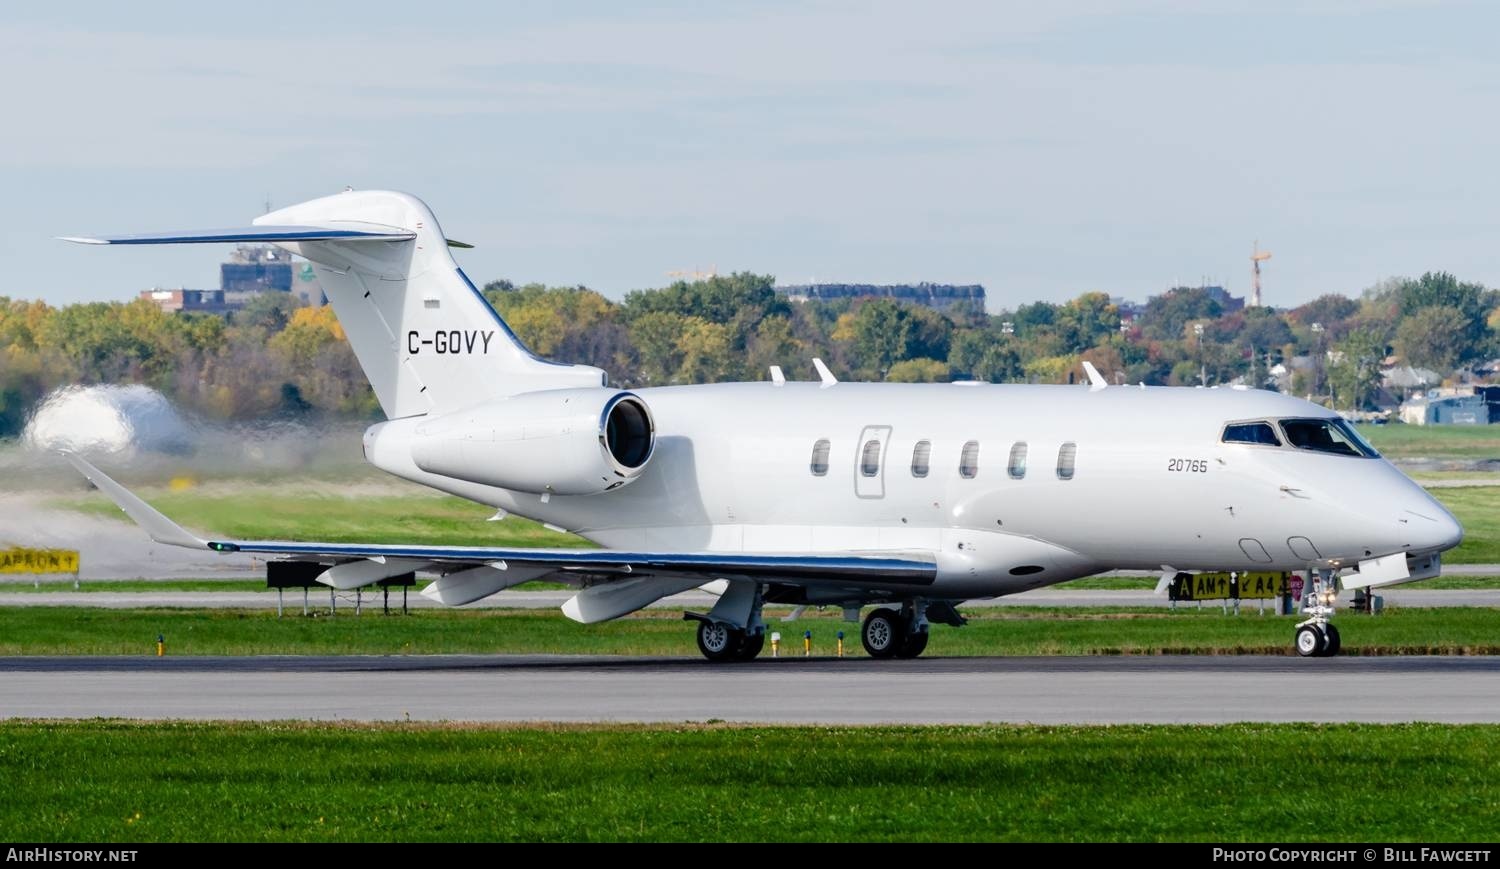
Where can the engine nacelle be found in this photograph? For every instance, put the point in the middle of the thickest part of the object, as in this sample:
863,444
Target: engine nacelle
559,441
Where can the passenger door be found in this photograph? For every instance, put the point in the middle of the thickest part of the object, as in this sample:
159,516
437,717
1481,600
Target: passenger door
870,461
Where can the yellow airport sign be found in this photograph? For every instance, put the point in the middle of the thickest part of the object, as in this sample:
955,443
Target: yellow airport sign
1218,586
22,560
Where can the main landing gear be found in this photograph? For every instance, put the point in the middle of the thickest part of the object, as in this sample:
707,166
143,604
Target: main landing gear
733,630
1316,637
891,634
721,642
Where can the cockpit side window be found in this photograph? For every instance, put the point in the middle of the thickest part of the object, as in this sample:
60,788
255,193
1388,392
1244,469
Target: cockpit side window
1326,436
1251,433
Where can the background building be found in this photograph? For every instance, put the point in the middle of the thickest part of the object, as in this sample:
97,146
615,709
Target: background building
938,296
251,269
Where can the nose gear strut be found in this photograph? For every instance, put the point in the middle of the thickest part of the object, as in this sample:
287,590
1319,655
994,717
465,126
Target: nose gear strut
1316,637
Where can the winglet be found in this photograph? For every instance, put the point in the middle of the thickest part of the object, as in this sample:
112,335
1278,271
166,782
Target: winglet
1096,380
1163,585
161,529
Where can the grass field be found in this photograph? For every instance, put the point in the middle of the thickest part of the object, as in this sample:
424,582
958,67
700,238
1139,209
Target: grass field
1019,631
103,781
1478,509
1434,441
262,513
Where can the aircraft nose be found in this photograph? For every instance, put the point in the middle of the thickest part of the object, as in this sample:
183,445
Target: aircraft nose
1431,527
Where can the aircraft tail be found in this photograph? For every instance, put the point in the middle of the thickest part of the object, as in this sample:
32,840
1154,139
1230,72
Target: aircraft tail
425,336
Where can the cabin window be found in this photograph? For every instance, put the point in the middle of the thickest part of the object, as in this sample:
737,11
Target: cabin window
921,458
1251,433
968,461
819,462
1327,436
1066,454
869,459
1017,466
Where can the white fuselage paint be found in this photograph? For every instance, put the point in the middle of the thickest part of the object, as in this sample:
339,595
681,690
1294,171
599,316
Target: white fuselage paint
731,473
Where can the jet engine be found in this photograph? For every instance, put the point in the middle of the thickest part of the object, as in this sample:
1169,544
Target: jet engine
559,442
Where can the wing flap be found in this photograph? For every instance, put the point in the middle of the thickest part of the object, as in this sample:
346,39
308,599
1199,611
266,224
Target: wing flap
876,568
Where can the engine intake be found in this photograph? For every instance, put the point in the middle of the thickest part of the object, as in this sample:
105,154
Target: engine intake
560,441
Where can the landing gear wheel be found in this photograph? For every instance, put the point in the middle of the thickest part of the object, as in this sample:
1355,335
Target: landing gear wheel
1316,637
751,646
1330,641
1311,641
913,645
883,632
720,642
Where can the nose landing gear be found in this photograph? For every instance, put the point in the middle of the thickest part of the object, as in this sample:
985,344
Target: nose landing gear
1316,637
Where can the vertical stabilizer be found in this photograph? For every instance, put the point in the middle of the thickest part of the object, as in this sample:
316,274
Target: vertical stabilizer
426,338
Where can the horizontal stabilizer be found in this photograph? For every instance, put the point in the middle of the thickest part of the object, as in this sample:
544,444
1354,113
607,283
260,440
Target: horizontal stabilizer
349,232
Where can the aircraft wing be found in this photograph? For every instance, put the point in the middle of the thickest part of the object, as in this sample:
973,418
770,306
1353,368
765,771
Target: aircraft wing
357,564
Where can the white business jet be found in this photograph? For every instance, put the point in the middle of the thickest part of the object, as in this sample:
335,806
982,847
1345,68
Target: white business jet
908,497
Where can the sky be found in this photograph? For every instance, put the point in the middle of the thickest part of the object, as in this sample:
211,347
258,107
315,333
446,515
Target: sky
1041,149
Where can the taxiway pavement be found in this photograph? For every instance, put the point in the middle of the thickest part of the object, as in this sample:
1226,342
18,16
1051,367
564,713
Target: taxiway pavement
787,690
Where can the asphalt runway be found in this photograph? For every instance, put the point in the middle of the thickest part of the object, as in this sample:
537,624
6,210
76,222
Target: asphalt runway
1055,690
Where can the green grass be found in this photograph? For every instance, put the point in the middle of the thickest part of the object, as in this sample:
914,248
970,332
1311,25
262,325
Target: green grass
1018,631
253,513
1456,583
1478,510
101,781
1434,441
1109,583
1485,478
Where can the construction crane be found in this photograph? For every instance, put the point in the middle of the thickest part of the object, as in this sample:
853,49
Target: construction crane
694,274
1257,256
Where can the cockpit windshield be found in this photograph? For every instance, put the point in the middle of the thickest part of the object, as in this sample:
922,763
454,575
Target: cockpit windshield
1327,436
1251,433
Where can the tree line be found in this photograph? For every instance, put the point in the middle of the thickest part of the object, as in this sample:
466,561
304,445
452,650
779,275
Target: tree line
276,358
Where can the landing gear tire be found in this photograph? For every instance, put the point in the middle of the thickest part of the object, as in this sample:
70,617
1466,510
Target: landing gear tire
1317,637
719,642
914,645
1311,642
1330,641
883,633
750,647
